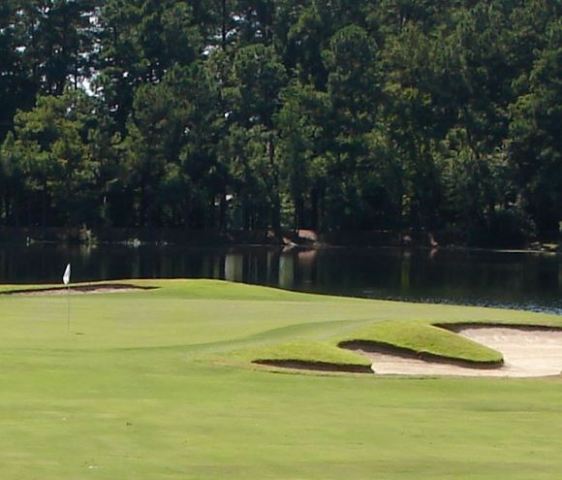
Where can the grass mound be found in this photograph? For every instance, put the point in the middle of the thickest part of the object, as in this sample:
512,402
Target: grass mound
400,337
424,340
310,356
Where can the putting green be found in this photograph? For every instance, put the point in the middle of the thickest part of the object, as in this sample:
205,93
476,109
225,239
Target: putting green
154,384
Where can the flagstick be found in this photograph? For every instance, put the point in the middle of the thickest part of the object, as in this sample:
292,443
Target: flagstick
68,308
66,281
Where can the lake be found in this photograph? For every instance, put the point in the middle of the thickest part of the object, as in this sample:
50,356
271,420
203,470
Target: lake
510,279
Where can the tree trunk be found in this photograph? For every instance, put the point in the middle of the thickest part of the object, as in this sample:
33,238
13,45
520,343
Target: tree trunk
276,207
223,25
222,212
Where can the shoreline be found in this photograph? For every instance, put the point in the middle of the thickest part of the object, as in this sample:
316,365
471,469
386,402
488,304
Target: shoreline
299,239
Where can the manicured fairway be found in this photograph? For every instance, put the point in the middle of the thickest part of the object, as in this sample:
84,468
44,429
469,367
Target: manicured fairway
155,385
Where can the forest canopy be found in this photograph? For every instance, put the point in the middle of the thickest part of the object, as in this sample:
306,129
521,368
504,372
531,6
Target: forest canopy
395,115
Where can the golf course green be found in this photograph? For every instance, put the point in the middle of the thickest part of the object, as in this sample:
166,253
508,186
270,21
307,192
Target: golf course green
162,383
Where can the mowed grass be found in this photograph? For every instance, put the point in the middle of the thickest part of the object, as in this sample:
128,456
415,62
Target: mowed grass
142,388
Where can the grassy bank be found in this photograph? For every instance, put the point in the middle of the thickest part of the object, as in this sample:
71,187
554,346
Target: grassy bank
421,338
154,384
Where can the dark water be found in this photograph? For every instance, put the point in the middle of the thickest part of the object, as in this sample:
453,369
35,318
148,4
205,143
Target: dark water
522,280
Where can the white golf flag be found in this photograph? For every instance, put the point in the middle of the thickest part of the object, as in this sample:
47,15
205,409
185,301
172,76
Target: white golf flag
66,276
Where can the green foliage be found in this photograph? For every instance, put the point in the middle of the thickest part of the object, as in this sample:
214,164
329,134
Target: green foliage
317,114
52,158
535,140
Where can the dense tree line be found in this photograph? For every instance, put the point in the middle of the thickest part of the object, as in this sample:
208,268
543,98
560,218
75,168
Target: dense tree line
325,114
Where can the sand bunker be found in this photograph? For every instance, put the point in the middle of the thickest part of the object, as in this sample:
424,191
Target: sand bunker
80,289
527,352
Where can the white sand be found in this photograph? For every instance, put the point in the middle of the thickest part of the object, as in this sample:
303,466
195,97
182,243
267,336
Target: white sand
526,352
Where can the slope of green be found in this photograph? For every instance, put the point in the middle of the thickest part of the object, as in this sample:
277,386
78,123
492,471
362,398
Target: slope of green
134,390
422,338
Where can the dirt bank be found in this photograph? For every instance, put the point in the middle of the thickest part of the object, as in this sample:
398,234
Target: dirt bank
317,366
79,289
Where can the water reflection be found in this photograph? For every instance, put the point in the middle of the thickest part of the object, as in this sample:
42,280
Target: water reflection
405,271
484,278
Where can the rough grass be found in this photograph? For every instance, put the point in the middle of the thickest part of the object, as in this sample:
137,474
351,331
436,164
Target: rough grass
134,391
421,338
